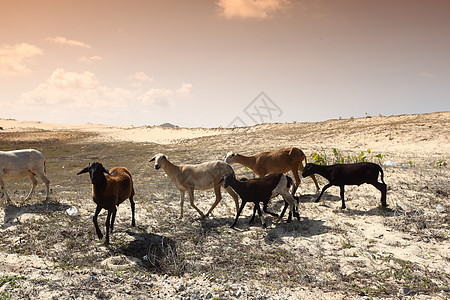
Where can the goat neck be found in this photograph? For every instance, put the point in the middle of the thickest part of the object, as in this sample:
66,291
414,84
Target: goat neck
237,185
323,171
99,185
248,161
170,169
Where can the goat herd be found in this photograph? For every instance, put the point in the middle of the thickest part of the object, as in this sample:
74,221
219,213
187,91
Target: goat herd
112,187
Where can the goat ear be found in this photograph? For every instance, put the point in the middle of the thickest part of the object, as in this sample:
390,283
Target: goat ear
105,170
85,170
153,158
221,179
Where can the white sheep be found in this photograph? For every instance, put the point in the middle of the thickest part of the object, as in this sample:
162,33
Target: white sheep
188,178
18,164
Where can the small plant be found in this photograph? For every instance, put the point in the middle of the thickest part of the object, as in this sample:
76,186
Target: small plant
12,281
380,157
319,159
338,157
360,157
440,163
347,245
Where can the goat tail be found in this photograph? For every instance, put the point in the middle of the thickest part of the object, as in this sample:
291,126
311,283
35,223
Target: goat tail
382,175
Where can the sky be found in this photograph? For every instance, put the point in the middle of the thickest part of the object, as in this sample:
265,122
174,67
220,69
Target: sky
222,63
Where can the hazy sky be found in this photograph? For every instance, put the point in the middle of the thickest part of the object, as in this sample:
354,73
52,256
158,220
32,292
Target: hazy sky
206,63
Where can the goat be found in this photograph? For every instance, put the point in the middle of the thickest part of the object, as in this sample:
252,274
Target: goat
18,164
261,189
281,160
188,178
349,174
108,192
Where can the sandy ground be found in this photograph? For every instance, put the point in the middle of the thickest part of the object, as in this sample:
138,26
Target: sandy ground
154,134
358,238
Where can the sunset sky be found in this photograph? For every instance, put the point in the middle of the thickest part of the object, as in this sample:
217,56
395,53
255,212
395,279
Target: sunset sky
204,62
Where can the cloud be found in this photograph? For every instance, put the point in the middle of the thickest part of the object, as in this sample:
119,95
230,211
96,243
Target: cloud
14,59
68,90
164,97
256,9
184,90
84,92
67,42
142,77
429,75
91,59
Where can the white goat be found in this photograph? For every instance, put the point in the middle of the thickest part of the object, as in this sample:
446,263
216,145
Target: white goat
188,178
18,164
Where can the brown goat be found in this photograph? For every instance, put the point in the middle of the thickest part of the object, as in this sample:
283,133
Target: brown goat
277,161
108,192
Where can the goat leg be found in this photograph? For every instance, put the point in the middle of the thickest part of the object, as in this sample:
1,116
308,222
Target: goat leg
323,190
191,201
342,196
284,210
94,219
133,221
34,182
108,220
2,184
296,206
260,214
382,188
269,212
253,216
113,218
238,213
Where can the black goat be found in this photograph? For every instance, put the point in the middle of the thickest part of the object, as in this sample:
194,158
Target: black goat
349,174
260,190
108,192
286,204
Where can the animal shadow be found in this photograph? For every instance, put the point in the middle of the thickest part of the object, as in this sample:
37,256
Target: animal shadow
12,212
375,211
304,228
325,198
212,223
155,250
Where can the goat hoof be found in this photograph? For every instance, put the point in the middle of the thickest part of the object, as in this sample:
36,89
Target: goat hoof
317,200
